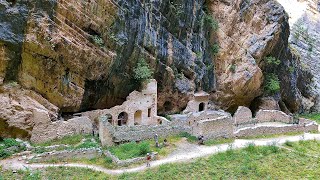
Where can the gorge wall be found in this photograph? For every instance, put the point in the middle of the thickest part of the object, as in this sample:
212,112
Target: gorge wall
80,55
305,38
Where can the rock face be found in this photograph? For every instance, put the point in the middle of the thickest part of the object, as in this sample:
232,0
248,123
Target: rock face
21,110
249,32
81,55
305,38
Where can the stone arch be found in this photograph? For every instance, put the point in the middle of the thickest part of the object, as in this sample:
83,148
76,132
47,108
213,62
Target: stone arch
122,119
138,117
202,106
109,118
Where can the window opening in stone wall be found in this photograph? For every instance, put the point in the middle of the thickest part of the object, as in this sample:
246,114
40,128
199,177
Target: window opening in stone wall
201,107
149,112
137,117
122,119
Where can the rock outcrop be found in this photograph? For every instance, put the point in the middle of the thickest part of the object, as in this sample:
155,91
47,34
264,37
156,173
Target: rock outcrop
21,110
305,39
249,32
81,55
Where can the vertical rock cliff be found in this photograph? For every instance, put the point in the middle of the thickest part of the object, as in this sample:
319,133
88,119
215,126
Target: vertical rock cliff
80,55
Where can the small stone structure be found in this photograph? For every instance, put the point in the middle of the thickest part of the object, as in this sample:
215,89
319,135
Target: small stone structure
211,124
198,103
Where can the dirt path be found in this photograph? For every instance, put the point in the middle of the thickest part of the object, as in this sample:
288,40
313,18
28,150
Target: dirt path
185,152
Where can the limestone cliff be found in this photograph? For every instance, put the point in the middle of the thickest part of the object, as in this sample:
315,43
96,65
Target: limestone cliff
80,55
305,38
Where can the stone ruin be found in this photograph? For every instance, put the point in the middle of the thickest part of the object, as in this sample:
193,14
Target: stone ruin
140,120
136,119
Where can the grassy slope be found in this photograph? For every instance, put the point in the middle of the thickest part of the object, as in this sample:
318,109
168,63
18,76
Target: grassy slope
314,116
250,163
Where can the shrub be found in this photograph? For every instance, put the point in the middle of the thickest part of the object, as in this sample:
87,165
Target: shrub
215,49
272,84
4,153
142,71
211,22
98,40
272,60
9,142
233,68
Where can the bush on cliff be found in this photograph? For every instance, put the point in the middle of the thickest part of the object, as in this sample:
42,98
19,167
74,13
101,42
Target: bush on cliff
142,71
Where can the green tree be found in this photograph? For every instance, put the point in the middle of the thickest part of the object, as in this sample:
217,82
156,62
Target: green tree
142,71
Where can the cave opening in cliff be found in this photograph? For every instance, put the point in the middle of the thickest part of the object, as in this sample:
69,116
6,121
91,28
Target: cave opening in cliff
167,106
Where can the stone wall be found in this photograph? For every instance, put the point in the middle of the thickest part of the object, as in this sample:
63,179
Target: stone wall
273,116
211,126
243,116
67,154
266,130
48,131
119,134
128,162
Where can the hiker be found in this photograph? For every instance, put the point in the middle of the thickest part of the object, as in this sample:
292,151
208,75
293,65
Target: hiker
201,140
148,159
156,139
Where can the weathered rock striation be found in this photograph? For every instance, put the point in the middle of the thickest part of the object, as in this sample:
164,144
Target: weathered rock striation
80,55
305,38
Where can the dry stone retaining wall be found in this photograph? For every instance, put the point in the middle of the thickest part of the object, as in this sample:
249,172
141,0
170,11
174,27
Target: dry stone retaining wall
67,154
266,130
273,116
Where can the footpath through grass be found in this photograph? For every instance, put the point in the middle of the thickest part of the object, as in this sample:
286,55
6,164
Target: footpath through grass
268,162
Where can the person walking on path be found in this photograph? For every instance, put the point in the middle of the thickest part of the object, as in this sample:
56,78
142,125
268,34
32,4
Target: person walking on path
148,159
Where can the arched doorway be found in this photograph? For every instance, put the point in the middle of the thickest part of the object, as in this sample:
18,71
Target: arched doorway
138,117
201,107
122,119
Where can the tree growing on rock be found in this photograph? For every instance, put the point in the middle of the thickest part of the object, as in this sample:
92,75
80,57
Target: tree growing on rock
142,71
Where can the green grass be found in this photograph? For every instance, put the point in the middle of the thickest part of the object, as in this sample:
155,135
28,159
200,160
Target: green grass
212,142
7,143
252,162
133,149
68,140
130,150
312,116
266,136
305,147
189,137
